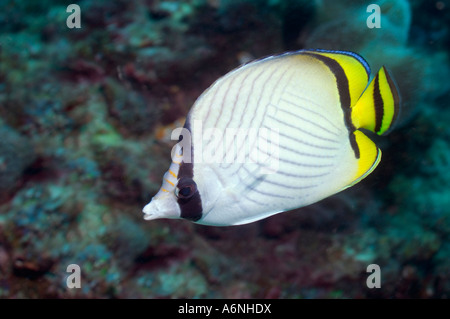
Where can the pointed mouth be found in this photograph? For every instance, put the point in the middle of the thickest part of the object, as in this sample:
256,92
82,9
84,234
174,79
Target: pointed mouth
152,211
150,216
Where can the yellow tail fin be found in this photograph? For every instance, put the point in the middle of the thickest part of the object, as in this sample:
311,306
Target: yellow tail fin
379,105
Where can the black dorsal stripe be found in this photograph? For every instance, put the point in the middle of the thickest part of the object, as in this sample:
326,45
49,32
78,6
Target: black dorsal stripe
191,208
379,104
344,95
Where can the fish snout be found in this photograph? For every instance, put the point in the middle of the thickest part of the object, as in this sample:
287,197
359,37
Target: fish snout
156,210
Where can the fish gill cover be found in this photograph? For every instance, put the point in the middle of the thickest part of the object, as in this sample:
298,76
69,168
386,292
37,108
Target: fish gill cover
82,107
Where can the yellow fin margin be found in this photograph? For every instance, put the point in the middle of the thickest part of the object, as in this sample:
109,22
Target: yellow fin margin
356,73
391,100
369,157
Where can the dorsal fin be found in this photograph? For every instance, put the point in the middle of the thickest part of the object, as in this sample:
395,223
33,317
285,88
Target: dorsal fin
356,70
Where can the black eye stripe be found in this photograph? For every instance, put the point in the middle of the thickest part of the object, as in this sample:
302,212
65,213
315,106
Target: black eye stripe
191,208
189,200
186,188
185,191
186,182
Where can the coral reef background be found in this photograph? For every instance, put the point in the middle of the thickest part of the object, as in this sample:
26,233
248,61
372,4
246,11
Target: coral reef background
83,116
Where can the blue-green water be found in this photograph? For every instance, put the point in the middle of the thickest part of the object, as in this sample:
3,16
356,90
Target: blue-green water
87,99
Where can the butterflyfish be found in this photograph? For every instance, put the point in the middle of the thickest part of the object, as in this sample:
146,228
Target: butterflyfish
277,134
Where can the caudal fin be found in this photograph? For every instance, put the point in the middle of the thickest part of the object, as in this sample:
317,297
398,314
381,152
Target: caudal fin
378,107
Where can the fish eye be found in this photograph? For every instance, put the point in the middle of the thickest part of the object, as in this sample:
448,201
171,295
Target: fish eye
186,188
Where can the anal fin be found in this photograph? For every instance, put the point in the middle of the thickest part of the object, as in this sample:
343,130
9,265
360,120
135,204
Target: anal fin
369,156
